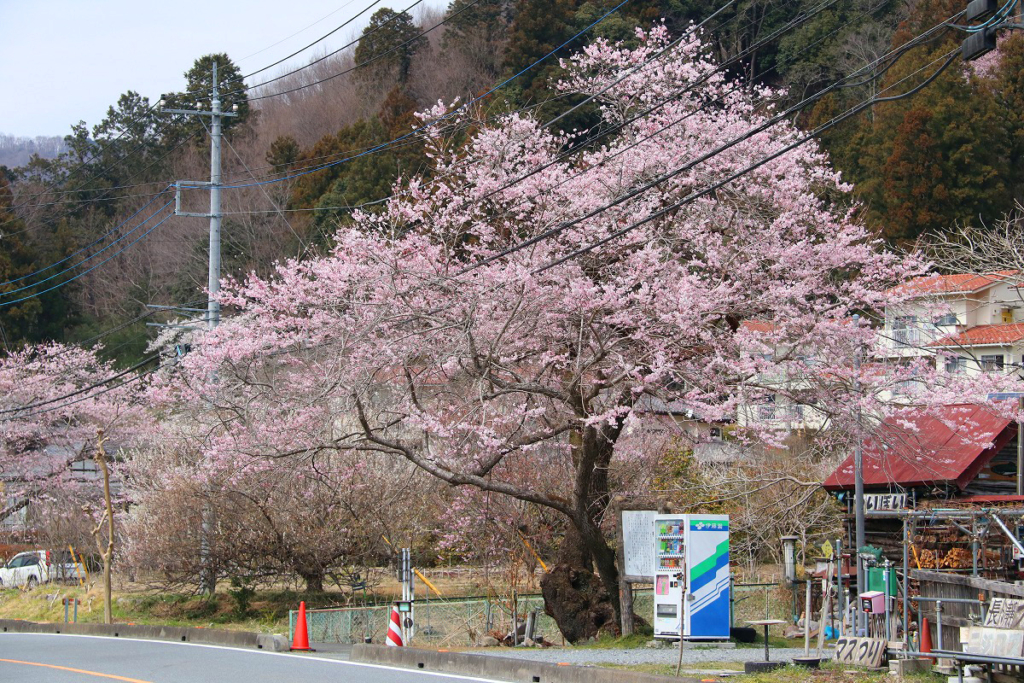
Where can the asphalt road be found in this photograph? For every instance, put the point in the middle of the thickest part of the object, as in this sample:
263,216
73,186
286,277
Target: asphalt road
35,658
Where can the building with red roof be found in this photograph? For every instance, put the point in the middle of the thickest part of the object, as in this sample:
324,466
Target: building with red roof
973,321
959,450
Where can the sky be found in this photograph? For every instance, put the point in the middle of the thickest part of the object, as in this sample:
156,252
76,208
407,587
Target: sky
66,61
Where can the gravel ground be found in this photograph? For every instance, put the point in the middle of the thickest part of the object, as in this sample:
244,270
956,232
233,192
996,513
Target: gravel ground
669,655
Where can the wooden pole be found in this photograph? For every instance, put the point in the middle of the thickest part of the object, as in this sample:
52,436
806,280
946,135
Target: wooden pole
826,606
106,553
626,622
807,617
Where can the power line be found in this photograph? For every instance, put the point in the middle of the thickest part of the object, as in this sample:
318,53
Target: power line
318,40
365,63
83,249
950,57
89,270
621,124
327,56
704,157
442,117
301,30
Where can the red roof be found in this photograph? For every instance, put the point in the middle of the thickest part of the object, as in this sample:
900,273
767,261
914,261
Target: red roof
762,326
960,283
929,452
1006,333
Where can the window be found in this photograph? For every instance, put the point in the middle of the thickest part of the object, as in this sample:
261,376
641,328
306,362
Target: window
904,330
948,319
18,561
992,363
716,434
955,364
904,387
766,411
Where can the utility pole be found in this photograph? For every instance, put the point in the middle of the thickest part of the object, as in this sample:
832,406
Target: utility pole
216,115
208,580
858,489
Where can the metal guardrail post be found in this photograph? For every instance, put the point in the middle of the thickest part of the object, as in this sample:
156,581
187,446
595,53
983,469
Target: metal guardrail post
906,585
938,621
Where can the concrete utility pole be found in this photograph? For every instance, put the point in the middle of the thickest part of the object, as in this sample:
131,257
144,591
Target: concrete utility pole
216,116
858,491
209,580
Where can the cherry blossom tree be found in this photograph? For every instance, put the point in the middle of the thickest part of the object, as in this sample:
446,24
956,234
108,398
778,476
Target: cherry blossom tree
423,339
53,400
323,516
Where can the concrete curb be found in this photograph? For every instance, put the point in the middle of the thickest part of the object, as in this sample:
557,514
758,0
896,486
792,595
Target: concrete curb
500,668
178,634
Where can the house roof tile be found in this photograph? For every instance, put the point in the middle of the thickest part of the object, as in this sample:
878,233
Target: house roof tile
958,283
1006,333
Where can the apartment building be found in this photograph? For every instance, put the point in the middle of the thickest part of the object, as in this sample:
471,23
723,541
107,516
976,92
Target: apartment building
969,322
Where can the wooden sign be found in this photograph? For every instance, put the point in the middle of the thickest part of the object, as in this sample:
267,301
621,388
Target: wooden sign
999,642
1005,613
875,502
638,543
869,652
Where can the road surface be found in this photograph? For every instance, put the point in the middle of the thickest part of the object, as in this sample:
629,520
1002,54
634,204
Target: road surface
37,658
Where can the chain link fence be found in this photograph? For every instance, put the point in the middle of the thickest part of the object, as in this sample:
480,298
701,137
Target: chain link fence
458,622
438,622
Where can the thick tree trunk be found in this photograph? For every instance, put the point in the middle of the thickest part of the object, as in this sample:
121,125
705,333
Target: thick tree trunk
314,580
575,596
581,592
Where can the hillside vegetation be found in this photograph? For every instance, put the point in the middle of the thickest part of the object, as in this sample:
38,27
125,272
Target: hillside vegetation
921,165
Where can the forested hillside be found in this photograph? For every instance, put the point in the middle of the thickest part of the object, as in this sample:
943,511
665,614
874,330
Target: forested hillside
310,146
17,151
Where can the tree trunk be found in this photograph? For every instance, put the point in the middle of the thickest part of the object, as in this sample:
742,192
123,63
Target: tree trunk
581,591
575,596
107,551
314,580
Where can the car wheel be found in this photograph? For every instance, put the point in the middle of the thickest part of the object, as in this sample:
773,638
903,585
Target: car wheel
32,582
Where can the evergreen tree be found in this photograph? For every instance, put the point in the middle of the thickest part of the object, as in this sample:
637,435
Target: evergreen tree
539,27
197,94
39,316
387,46
925,163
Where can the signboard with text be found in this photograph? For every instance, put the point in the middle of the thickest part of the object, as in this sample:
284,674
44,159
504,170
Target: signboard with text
1005,613
998,642
878,502
867,652
638,544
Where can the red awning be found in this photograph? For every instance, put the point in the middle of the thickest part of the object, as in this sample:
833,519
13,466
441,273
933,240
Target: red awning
929,450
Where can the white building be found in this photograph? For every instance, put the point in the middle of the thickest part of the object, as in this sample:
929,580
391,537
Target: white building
971,323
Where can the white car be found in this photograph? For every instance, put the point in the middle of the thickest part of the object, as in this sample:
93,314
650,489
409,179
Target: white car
34,567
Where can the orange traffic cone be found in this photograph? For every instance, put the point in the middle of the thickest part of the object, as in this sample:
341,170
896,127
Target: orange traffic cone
926,637
301,640
394,638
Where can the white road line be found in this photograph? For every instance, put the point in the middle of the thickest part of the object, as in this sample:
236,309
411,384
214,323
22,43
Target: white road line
264,652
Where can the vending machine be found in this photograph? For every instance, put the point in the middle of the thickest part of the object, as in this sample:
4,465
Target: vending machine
691,579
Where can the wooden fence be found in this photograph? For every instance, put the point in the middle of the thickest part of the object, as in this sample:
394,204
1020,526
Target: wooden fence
954,615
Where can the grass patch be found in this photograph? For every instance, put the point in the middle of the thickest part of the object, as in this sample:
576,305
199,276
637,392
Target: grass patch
829,673
609,642
266,611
